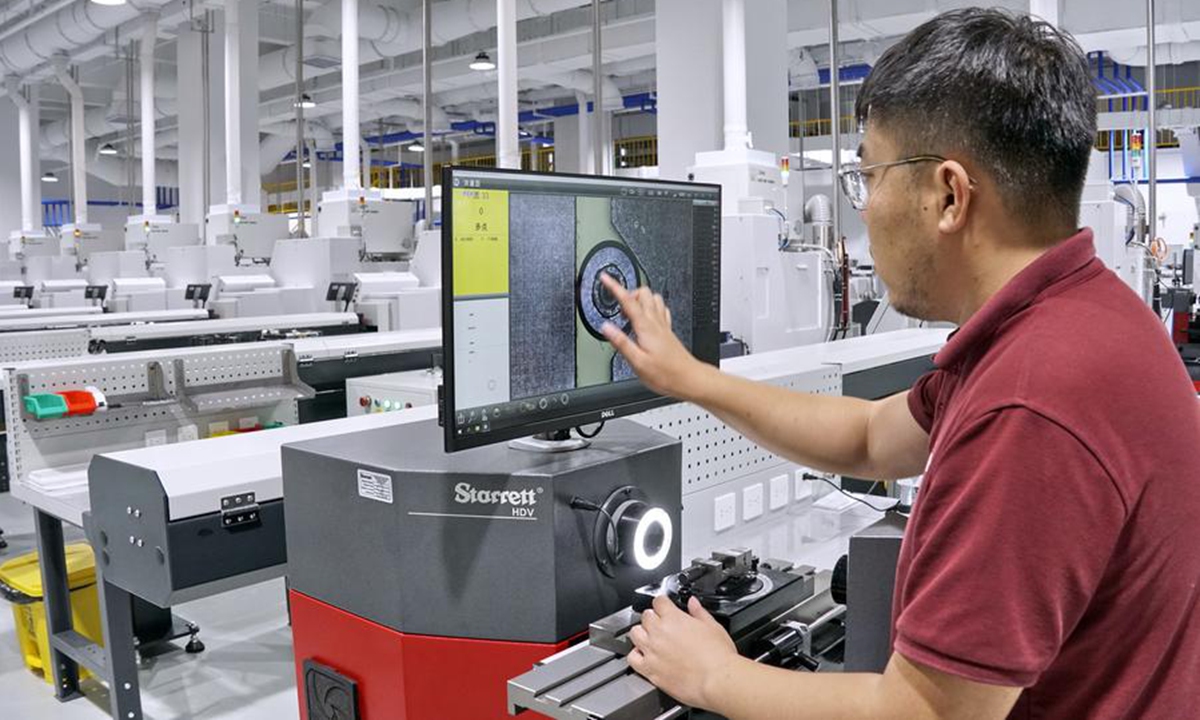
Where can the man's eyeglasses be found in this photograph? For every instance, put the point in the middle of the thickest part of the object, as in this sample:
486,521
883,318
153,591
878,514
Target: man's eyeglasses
854,177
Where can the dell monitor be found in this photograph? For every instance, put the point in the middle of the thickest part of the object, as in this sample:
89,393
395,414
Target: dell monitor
523,304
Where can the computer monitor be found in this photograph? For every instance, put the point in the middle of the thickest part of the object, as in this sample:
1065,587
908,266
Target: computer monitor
523,305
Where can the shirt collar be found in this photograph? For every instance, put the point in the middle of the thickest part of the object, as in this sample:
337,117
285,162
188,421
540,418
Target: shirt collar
1053,266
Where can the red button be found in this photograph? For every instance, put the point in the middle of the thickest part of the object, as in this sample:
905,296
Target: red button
364,401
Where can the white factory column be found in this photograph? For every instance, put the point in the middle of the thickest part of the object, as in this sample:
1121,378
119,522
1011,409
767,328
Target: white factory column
508,145
688,39
10,169
767,74
146,104
587,158
29,230
191,126
605,118
248,81
350,126
1047,10
240,48
566,144
691,116
35,161
232,48
216,110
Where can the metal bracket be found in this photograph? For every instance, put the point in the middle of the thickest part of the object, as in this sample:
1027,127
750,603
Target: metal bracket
239,510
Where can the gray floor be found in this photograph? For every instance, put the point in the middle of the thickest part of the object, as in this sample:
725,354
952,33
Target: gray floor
246,671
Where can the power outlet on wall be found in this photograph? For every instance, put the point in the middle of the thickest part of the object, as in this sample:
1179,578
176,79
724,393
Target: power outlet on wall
752,501
724,512
779,492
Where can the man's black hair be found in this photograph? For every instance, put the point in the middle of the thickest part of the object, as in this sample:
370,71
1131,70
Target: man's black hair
1007,91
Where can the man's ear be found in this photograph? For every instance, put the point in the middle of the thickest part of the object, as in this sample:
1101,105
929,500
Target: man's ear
954,191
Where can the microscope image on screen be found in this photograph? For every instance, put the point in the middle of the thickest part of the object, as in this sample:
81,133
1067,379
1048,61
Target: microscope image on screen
559,247
526,305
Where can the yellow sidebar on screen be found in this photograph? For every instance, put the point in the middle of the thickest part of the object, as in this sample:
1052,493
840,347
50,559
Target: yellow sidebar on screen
480,242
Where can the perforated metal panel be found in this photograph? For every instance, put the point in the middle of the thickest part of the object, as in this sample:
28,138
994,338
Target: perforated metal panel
713,452
19,347
223,385
256,362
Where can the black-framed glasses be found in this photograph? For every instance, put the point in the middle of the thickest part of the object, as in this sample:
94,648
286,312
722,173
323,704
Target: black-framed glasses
854,180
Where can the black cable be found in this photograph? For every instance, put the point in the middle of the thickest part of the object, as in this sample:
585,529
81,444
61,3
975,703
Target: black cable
586,436
578,503
830,483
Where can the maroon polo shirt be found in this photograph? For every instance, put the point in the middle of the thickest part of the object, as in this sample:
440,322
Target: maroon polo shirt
1055,545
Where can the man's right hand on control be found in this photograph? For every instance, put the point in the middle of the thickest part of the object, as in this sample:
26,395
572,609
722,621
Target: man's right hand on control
657,356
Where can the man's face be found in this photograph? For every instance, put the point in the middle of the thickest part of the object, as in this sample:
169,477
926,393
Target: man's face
901,226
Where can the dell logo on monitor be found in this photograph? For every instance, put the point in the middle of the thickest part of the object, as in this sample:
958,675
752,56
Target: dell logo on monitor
608,414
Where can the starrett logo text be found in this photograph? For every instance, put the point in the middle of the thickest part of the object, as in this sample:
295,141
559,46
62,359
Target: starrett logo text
465,494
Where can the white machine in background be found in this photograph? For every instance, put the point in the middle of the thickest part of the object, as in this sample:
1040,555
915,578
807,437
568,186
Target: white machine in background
396,301
386,227
251,232
53,277
137,294
36,243
154,234
82,241
253,294
61,293
104,268
302,270
1117,216
391,392
775,293
9,300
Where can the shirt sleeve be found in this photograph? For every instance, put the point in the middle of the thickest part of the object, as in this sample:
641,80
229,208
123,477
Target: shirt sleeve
923,397
1013,531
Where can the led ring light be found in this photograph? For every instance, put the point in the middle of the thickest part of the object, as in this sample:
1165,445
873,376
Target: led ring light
629,531
654,517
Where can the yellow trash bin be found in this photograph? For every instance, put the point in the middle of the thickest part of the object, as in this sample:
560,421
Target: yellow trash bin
21,585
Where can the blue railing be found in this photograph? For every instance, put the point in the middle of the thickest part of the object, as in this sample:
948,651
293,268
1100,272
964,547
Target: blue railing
57,212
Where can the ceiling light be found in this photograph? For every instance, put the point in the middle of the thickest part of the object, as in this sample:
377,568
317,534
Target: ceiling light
49,177
306,102
417,147
107,149
109,2
482,62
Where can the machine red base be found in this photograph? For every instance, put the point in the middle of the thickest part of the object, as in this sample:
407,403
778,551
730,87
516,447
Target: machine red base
409,677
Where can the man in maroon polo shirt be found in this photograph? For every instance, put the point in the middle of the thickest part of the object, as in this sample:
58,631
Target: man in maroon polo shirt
1051,566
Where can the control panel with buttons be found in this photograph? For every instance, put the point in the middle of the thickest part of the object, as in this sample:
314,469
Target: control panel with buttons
391,392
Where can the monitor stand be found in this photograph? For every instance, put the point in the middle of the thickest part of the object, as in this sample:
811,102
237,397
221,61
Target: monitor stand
554,441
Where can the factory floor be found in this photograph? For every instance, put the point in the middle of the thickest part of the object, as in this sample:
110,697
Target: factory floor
245,672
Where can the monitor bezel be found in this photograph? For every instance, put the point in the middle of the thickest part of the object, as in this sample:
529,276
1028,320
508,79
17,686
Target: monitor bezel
646,399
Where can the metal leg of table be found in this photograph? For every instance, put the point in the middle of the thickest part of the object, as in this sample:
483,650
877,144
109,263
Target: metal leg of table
57,598
116,611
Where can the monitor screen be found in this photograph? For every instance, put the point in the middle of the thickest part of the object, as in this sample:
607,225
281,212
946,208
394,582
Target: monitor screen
523,305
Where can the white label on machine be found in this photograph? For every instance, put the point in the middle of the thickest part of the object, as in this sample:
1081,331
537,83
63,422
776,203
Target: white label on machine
375,486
